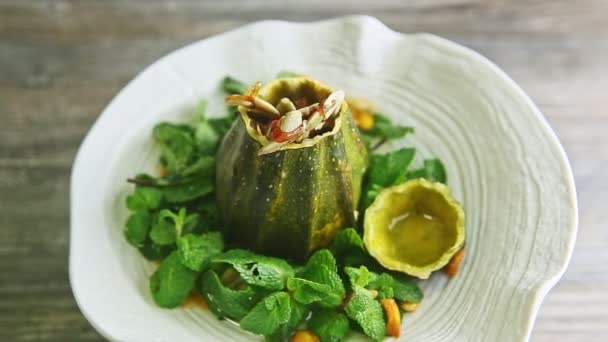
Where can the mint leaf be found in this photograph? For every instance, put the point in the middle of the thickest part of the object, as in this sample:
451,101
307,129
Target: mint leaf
177,146
198,182
299,312
407,290
367,312
385,129
190,190
202,167
435,170
163,232
308,292
268,315
318,281
390,168
432,170
180,220
225,302
267,272
233,86
347,241
384,284
191,225
137,227
321,268
154,252
172,282
349,249
386,170
196,251
329,325
169,226
144,199
359,277
370,194
206,137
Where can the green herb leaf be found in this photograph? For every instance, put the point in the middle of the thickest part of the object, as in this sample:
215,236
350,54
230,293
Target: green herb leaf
144,199
349,249
361,259
225,302
267,272
385,129
329,325
169,226
145,181
390,168
233,86
318,281
299,312
191,225
189,191
372,192
206,137
137,227
196,251
386,170
268,315
407,290
347,241
384,284
202,167
432,170
177,146
308,292
321,268
209,219
359,276
180,220
154,252
367,312
172,282
166,131
163,232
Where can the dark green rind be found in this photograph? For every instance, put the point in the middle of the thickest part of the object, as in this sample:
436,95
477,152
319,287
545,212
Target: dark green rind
290,202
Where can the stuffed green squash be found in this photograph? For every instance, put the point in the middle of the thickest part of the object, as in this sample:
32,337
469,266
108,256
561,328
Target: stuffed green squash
289,171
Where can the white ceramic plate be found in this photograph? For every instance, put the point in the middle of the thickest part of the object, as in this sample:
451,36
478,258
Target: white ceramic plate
504,163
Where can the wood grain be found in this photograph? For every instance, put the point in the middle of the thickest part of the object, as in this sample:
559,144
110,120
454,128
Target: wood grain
62,61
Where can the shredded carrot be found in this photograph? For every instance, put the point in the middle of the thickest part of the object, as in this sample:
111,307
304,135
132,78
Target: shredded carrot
393,317
195,300
364,120
304,336
454,265
362,110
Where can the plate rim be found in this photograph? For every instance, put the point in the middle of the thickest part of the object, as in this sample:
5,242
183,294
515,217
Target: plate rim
539,293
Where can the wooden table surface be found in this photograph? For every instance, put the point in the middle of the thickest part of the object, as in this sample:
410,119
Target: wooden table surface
62,61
